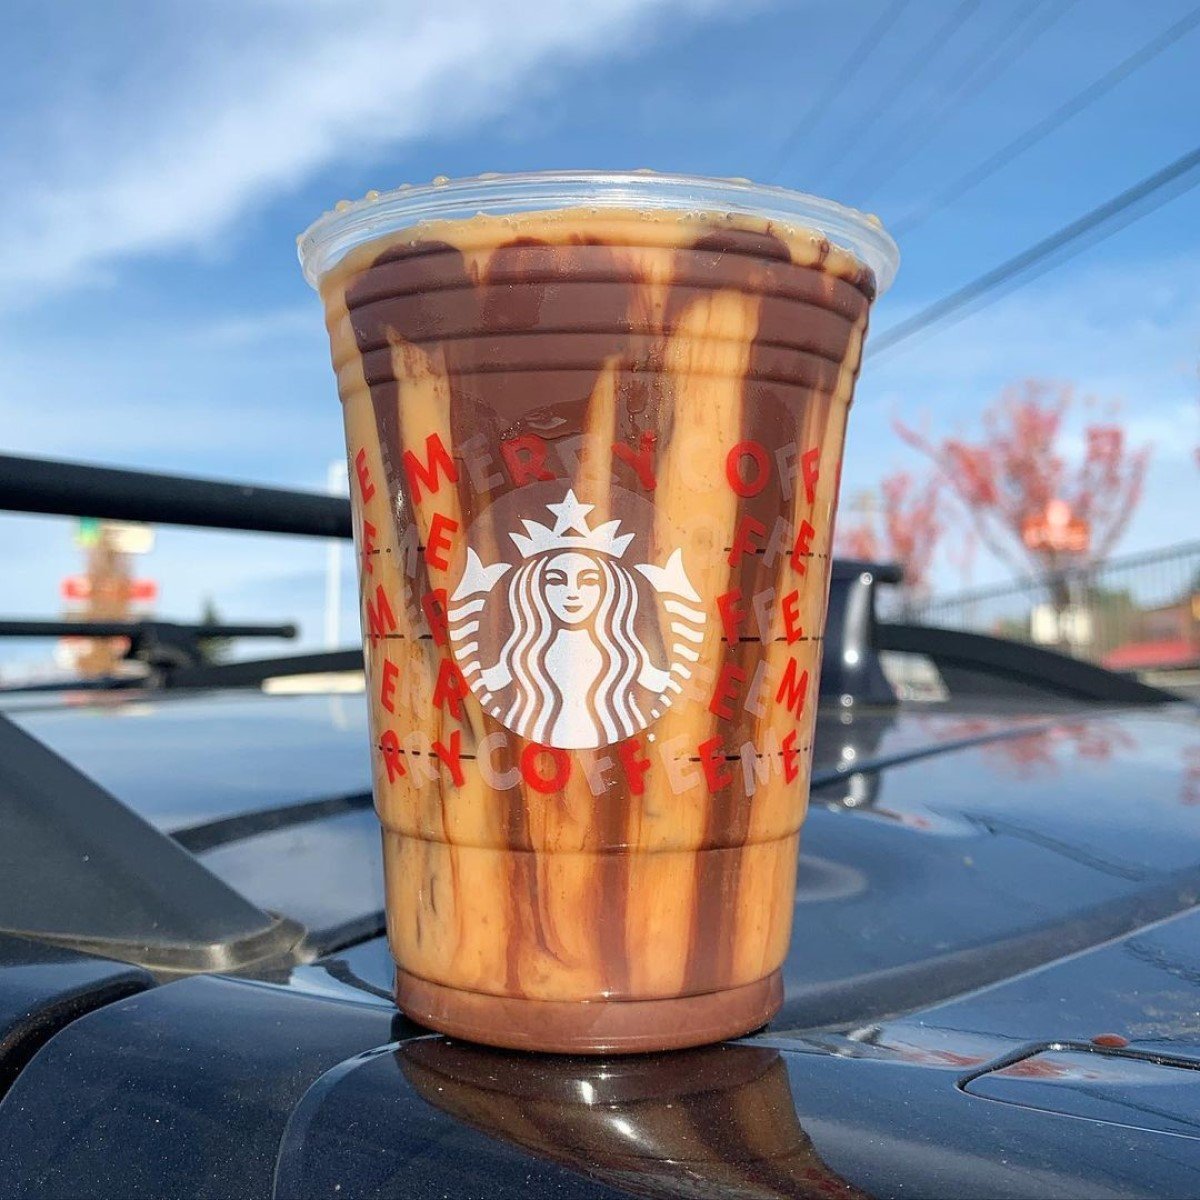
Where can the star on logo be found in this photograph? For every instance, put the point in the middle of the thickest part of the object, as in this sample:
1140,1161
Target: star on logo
570,514
570,531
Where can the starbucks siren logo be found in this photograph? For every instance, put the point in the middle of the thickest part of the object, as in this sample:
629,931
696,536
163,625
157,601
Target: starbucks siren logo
564,653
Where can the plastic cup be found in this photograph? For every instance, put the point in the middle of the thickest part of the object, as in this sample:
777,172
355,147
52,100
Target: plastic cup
595,427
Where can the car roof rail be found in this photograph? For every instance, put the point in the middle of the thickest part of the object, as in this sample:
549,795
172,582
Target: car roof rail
254,672
79,869
162,646
41,485
851,673
1035,667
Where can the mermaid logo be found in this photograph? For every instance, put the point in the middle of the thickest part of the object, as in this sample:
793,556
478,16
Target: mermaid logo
569,652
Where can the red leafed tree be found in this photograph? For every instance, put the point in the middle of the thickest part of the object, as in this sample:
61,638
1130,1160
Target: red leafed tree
858,540
1018,470
903,526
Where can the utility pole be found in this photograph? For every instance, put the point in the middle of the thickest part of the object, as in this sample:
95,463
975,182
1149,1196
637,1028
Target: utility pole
337,482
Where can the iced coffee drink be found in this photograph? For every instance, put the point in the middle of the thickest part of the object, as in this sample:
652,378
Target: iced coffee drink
595,432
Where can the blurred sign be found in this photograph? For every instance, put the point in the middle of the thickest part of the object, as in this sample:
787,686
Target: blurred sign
1057,530
87,532
105,591
125,537
80,587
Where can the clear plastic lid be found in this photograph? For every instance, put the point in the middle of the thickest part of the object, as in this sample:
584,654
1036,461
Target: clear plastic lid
331,237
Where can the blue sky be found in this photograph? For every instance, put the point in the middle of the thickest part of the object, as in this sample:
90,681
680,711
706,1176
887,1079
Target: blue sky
157,161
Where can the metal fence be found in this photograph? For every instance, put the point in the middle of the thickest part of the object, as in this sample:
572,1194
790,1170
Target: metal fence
1139,612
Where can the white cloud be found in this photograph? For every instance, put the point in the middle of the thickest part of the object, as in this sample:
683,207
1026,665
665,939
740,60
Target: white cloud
255,329
256,101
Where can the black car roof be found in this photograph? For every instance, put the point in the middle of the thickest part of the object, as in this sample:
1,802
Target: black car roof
1020,829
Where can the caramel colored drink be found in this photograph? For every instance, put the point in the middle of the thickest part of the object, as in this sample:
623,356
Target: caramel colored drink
595,432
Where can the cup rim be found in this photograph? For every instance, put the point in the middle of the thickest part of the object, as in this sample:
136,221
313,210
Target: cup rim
352,223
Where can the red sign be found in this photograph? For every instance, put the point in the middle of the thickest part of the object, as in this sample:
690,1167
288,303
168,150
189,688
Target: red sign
1057,530
79,587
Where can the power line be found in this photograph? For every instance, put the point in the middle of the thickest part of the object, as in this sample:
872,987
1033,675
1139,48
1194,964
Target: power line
1047,125
978,76
988,75
838,82
920,117
913,68
1068,236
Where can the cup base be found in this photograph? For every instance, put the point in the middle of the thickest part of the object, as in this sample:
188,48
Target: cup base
596,1027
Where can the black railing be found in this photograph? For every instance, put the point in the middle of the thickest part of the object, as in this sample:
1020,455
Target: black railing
135,629
163,647
1138,611
39,485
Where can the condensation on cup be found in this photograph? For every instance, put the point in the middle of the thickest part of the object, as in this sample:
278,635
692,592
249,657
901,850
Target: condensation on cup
595,427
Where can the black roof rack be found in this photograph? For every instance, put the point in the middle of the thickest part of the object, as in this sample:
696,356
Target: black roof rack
162,646
15,628
850,667
1035,667
252,672
42,485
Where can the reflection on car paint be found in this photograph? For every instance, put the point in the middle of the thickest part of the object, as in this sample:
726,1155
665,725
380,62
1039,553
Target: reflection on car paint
708,1123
